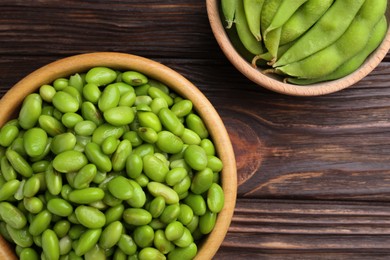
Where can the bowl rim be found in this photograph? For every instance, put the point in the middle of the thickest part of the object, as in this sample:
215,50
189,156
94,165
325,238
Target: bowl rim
275,85
175,81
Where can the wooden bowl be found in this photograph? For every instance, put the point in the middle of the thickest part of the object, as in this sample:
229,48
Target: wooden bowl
274,83
11,101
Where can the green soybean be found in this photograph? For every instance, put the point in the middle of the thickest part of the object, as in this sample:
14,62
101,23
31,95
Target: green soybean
119,116
100,76
90,112
197,203
134,165
170,121
154,168
69,161
95,155
188,252
20,236
119,157
143,236
137,216
160,189
150,253
12,215
86,195
34,141
8,189
51,125
30,111
111,235
215,198
87,241
202,181
63,142
28,254
40,223
162,243
91,92
19,163
8,134
169,142
59,207
127,244
90,217
196,157
120,187
134,78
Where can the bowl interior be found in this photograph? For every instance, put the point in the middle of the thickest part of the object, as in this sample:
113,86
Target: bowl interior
65,67
273,82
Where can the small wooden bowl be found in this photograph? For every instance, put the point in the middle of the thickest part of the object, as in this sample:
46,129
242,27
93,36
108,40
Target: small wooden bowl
274,83
12,100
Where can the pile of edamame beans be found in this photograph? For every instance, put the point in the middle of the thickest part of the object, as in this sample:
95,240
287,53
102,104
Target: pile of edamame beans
306,41
107,164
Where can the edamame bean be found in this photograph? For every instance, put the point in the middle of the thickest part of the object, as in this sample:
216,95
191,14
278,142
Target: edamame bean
30,111
175,175
90,217
51,125
20,164
202,181
119,116
65,244
40,223
160,189
170,121
134,78
87,241
157,104
69,120
143,236
90,112
85,128
168,142
190,137
119,157
100,76
12,215
137,216
174,230
85,176
215,198
110,144
114,213
69,161
109,99
8,189
149,119
197,203
33,204
162,243
61,228
50,244
120,188
97,157
134,165
63,142
196,157
95,253
91,92
170,213
8,172
150,253
180,253
196,124
111,235
8,134
28,253
60,83
65,102
185,240
60,207
31,186
127,244
20,237
155,92
154,168
207,222
147,134
86,195
186,214
138,199
105,130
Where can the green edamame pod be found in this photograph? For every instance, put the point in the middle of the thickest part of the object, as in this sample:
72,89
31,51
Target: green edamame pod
304,18
229,9
252,10
353,40
196,157
333,24
30,111
354,63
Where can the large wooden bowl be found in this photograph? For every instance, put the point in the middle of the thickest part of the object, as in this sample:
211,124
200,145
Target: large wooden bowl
276,84
12,100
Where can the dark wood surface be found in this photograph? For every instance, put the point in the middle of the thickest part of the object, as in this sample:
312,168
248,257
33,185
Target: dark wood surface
313,173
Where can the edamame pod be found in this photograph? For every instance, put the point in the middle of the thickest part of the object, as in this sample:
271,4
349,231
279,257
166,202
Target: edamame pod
333,24
229,10
252,10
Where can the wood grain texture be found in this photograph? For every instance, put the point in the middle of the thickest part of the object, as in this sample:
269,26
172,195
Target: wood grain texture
313,171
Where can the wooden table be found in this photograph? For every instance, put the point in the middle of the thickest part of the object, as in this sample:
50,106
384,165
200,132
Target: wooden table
314,173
